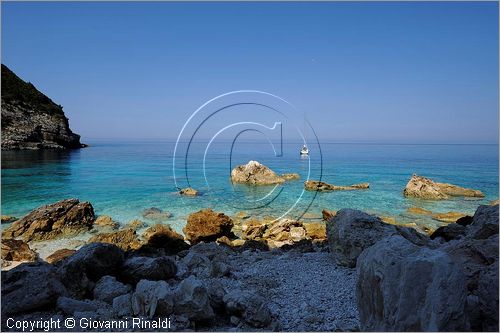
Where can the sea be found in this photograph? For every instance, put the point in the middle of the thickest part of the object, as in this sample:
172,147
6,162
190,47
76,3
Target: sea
123,178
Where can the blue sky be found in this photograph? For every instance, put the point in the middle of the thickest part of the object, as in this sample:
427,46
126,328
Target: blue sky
377,72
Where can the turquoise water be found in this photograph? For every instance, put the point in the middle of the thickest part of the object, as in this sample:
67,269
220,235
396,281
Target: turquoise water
121,179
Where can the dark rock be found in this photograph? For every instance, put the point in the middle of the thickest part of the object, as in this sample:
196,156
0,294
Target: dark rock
352,231
122,305
192,300
163,236
69,306
484,223
63,218
30,287
88,265
433,286
250,306
138,268
404,287
107,288
449,232
31,120
465,221
152,298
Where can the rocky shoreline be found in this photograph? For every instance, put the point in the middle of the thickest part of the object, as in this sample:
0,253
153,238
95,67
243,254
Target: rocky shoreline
236,273
31,120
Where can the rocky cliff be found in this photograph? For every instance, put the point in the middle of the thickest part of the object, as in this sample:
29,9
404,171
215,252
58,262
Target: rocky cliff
31,120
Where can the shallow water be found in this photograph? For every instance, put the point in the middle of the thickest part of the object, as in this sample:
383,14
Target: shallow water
121,179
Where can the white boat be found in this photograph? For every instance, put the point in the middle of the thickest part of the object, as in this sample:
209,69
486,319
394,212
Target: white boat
304,151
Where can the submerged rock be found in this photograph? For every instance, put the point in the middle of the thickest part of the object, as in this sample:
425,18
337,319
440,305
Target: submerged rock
207,225
135,224
156,214
290,176
313,185
61,219
425,188
189,191
442,217
254,173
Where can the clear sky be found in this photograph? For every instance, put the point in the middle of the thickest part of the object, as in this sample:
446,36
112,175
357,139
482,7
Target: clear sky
378,72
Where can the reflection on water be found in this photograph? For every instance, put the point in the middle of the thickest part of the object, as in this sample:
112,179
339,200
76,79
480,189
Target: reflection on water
17,159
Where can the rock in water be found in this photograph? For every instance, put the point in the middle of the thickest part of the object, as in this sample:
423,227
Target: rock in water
189,191
31,120
425,188
207,225
156,214
105,221
351,231
404,287
64,218
313,185
290,176
254,173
